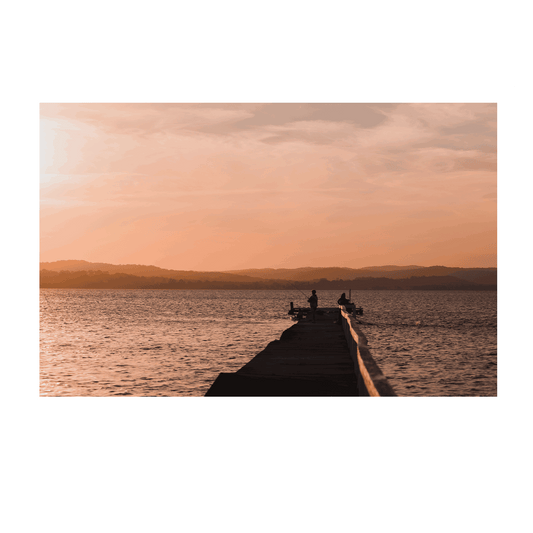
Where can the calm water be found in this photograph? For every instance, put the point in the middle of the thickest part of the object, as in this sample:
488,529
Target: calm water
175,343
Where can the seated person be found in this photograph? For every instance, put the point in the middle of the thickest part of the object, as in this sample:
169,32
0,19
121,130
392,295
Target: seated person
343,300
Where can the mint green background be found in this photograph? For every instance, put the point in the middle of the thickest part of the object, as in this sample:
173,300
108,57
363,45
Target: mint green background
261,474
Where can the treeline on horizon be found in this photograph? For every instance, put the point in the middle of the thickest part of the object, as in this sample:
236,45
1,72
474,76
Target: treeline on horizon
104,280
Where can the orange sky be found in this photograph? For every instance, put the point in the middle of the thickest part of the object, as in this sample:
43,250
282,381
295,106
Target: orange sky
231,186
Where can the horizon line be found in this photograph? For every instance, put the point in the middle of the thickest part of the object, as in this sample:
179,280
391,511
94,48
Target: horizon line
262,268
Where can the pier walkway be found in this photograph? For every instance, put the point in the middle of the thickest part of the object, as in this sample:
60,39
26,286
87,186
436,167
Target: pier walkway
324,358
310,359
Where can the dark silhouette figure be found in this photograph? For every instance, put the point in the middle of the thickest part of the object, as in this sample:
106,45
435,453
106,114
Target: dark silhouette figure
342,301
313,302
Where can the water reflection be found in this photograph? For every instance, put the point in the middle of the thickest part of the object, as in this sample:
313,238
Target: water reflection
175,343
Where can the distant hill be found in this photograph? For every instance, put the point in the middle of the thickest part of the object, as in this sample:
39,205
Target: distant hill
83,274
388,268
141,270
97,279
476,275
298,274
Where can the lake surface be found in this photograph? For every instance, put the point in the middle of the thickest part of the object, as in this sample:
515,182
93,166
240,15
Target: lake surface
175,343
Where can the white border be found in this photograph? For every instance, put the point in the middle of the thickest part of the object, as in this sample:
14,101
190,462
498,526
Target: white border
30,403
18,283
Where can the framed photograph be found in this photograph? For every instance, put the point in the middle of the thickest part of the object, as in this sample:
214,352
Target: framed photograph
176,226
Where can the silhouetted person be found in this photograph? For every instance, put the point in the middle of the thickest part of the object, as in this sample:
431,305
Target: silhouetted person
313,302
343,300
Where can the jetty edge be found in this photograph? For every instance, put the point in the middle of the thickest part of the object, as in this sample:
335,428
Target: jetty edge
328,357
370,379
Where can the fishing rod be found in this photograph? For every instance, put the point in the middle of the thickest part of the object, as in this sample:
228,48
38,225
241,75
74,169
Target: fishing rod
296,287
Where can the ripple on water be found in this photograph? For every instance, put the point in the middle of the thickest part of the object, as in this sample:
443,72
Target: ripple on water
177,342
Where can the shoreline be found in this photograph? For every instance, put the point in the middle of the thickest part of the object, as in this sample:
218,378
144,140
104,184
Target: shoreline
422,289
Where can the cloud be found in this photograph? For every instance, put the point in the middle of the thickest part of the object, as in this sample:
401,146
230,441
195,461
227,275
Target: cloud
179,174
266,115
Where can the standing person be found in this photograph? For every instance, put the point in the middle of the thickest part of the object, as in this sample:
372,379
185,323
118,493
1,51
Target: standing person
313,302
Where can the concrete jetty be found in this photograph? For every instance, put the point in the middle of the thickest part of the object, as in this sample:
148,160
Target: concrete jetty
321,358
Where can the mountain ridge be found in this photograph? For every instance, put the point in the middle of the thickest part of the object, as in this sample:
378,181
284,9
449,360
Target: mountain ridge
481,275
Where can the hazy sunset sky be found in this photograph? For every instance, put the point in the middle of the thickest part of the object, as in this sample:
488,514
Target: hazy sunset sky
234,186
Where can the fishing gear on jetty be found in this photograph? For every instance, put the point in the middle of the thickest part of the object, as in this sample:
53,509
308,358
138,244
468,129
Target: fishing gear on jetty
348,304
297,288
